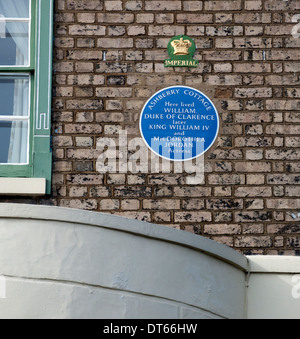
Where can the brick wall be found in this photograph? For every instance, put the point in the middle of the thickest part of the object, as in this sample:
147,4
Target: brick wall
108,61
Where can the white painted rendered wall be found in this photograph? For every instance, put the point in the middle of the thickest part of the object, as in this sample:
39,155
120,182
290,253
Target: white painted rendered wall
64,263
274,288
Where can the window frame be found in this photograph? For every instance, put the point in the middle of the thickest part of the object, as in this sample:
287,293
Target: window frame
40,71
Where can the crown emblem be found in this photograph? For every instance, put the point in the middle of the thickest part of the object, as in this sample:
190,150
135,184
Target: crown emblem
181,47
181,50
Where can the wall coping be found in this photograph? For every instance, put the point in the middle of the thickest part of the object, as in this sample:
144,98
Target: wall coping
274,264
121,224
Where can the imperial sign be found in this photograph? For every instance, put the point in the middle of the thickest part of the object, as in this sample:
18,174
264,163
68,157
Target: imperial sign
179,123
181,50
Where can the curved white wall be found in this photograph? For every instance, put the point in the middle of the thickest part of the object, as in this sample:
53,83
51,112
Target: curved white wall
64,263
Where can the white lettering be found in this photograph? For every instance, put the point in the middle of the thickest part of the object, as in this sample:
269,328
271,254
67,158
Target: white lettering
296,288
113,329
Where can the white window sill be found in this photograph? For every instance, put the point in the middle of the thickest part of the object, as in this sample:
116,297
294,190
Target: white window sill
23,186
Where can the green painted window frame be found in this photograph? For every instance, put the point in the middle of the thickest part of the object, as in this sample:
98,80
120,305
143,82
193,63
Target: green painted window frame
40,71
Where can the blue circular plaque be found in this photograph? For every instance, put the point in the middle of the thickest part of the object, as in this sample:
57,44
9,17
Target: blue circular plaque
179,123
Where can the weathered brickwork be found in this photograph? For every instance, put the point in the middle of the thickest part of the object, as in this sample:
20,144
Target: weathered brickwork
109,59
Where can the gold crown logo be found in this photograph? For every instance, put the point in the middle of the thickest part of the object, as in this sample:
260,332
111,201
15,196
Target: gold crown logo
181,47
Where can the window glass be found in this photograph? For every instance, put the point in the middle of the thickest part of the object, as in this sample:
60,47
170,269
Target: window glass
14,142
14,95
14,44
14,8
14,32
14,118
